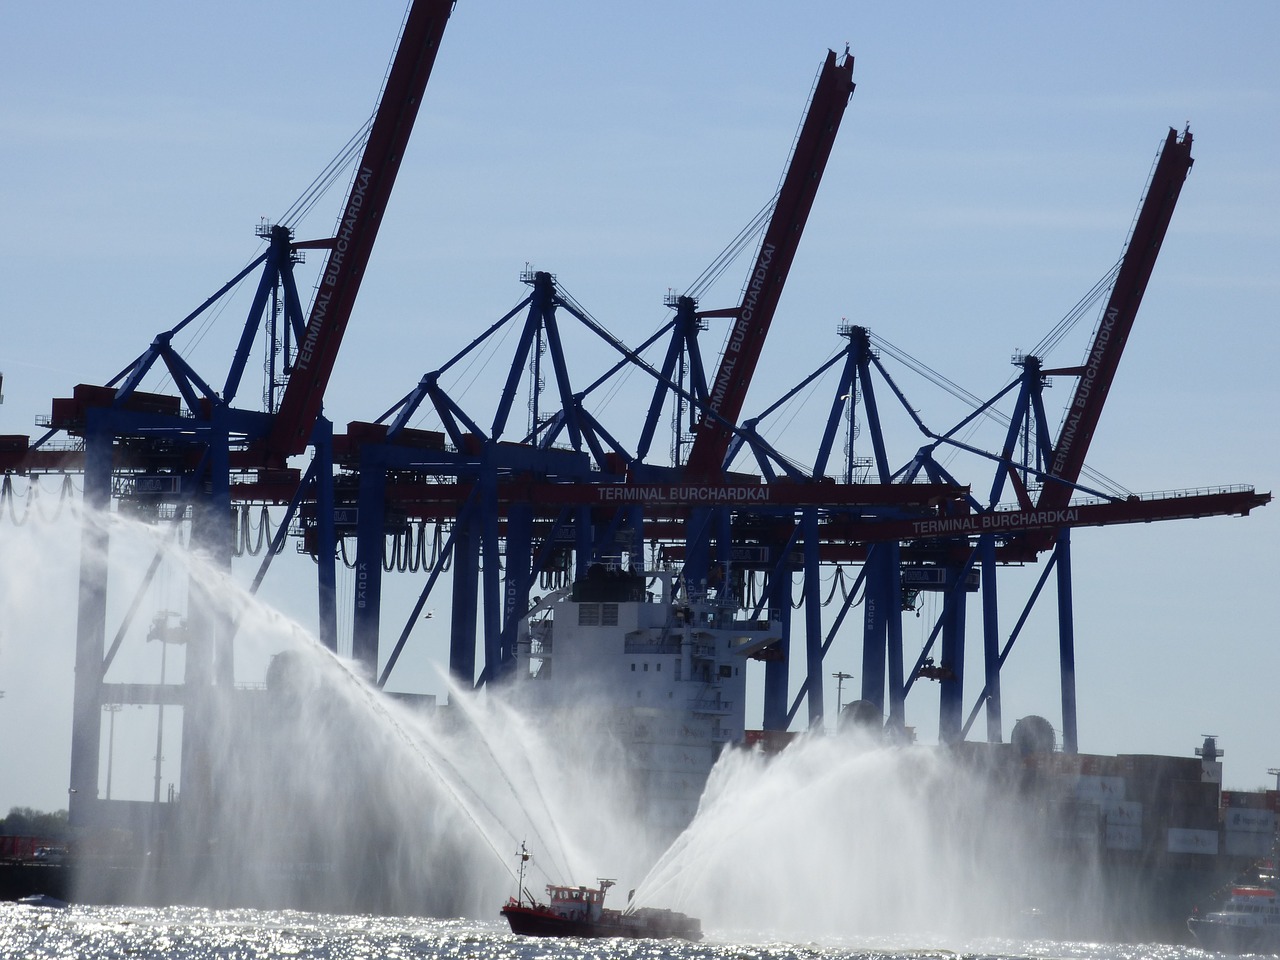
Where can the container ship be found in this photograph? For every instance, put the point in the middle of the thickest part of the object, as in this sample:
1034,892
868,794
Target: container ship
1157,836
666,668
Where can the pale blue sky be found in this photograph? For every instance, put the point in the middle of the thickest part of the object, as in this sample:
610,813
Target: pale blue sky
984,178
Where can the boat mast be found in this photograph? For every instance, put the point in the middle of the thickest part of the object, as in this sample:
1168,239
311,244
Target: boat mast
524,857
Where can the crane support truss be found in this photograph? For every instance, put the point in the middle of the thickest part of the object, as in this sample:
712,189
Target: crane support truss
516,512
142,447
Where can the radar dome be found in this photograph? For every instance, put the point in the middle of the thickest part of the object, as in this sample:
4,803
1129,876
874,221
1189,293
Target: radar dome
1033,735
861,715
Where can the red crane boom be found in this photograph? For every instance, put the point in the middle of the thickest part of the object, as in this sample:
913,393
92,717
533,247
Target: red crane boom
1099,368
349,251
753,316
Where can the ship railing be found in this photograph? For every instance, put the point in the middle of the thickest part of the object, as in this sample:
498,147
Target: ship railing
712,706
638,646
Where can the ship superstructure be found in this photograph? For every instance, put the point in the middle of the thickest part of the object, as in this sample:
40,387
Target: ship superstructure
666,665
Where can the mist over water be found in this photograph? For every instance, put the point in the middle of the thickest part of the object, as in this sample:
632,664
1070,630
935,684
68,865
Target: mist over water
301,783
323,786
312,787
843,836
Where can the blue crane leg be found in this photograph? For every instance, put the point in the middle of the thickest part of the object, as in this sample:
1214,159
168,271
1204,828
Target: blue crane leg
370,543
874,619
1066,643
991,639
91,619
326,536
813,616
893,638
951,698
776,681
466,588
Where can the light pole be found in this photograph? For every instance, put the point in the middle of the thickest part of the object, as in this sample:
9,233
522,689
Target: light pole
113,709
166,633
840,679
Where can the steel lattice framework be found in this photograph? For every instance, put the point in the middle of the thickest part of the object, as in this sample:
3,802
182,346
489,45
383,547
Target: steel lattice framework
568,492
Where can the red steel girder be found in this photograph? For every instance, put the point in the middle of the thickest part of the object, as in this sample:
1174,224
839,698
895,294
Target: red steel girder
777,251
680,496
1236,501
351,248
1099,369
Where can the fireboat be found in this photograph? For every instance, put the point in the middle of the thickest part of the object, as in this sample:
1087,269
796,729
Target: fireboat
580,912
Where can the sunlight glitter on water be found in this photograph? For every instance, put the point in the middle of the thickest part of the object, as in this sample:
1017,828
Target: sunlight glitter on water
183,933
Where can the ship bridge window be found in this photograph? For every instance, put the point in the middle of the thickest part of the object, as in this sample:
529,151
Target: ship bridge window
609,614
588,614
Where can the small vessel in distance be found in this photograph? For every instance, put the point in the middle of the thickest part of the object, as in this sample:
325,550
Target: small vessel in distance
580,912
1249,922
43,900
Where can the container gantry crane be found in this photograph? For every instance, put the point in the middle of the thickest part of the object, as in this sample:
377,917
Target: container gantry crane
186,459
980,536
723,400
350,249
718,420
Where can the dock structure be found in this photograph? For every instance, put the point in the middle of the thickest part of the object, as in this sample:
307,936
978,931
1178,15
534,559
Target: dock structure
504,519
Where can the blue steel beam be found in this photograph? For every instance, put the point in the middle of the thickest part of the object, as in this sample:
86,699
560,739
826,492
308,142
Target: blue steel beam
468,534
1005,650
849,600
684,332
811,591
952,661
876,610
540,317
1066,642
326,533
370,540
775,671
91,619
442,563
492,597
990,641
277,272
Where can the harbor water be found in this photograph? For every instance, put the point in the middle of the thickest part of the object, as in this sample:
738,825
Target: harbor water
183,933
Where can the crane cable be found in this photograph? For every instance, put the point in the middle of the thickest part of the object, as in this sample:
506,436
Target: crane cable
325,179
1046,344
1076,313
346,156
746,237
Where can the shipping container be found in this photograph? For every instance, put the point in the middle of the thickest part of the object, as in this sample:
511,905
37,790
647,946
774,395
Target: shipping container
1243,844
1122,812
1194,818
1098,789
1182,840
1193,793
1247,799
1124,836
1248,820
